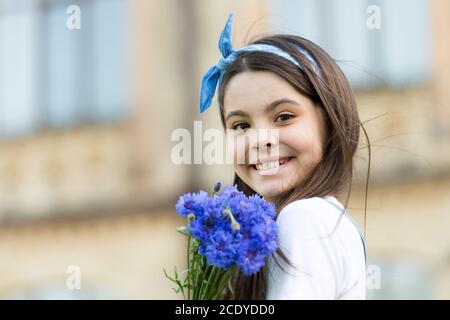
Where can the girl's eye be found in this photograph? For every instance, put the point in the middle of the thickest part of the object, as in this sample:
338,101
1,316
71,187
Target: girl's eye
283,117
240,126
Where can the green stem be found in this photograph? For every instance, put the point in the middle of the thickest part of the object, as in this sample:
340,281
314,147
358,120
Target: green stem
200,271
190,217
216,280
223,283
210,283
203,270
189,267
193,274
205,283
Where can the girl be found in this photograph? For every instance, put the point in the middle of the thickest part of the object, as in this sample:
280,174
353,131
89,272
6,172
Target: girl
289,85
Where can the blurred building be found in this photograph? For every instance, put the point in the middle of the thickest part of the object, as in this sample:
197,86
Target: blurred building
86,117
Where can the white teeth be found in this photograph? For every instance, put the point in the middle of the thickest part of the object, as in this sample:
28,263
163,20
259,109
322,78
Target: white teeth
271,164
267,165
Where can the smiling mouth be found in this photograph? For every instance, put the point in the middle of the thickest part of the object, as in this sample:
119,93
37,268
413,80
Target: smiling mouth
269,165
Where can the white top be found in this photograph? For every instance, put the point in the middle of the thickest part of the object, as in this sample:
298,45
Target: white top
328,265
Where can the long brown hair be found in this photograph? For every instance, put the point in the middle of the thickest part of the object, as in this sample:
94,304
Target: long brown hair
328,89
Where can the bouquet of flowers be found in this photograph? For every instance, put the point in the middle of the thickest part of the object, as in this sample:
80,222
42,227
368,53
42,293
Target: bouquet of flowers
226,232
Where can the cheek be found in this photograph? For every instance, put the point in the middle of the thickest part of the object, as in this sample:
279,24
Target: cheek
305,140
296,138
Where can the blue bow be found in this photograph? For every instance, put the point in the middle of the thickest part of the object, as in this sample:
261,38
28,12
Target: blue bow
209,81
212,77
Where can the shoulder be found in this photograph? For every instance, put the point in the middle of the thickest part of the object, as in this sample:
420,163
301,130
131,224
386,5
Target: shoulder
320,222
318,218
324,245
306,238
312,215
313,204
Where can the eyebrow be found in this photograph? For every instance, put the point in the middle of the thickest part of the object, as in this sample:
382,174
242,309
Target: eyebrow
268,108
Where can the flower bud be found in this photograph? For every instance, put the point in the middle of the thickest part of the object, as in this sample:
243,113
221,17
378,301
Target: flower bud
217,187
182,230
235,226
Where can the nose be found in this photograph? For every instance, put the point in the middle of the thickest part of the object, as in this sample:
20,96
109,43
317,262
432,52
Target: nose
263,139
262,144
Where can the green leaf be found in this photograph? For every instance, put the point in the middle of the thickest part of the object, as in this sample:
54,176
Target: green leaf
168,277
230,287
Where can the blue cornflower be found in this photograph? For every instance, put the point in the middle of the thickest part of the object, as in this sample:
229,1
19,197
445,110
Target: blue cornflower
192,203
261,204
230,193
221,250
203,227
231,227
250,260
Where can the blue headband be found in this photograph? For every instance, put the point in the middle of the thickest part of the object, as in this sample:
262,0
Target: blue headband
215,73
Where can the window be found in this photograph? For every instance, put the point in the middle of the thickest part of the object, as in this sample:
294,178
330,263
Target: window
51,76
397,54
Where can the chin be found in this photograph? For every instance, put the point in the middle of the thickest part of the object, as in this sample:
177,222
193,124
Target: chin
269,192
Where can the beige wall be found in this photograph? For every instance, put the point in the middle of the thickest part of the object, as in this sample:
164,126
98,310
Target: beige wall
408,223
102,197
119,258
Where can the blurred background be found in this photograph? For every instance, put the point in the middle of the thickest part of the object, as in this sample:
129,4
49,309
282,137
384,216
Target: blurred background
87,184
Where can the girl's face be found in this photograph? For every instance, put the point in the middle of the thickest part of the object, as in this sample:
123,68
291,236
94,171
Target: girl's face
270,120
